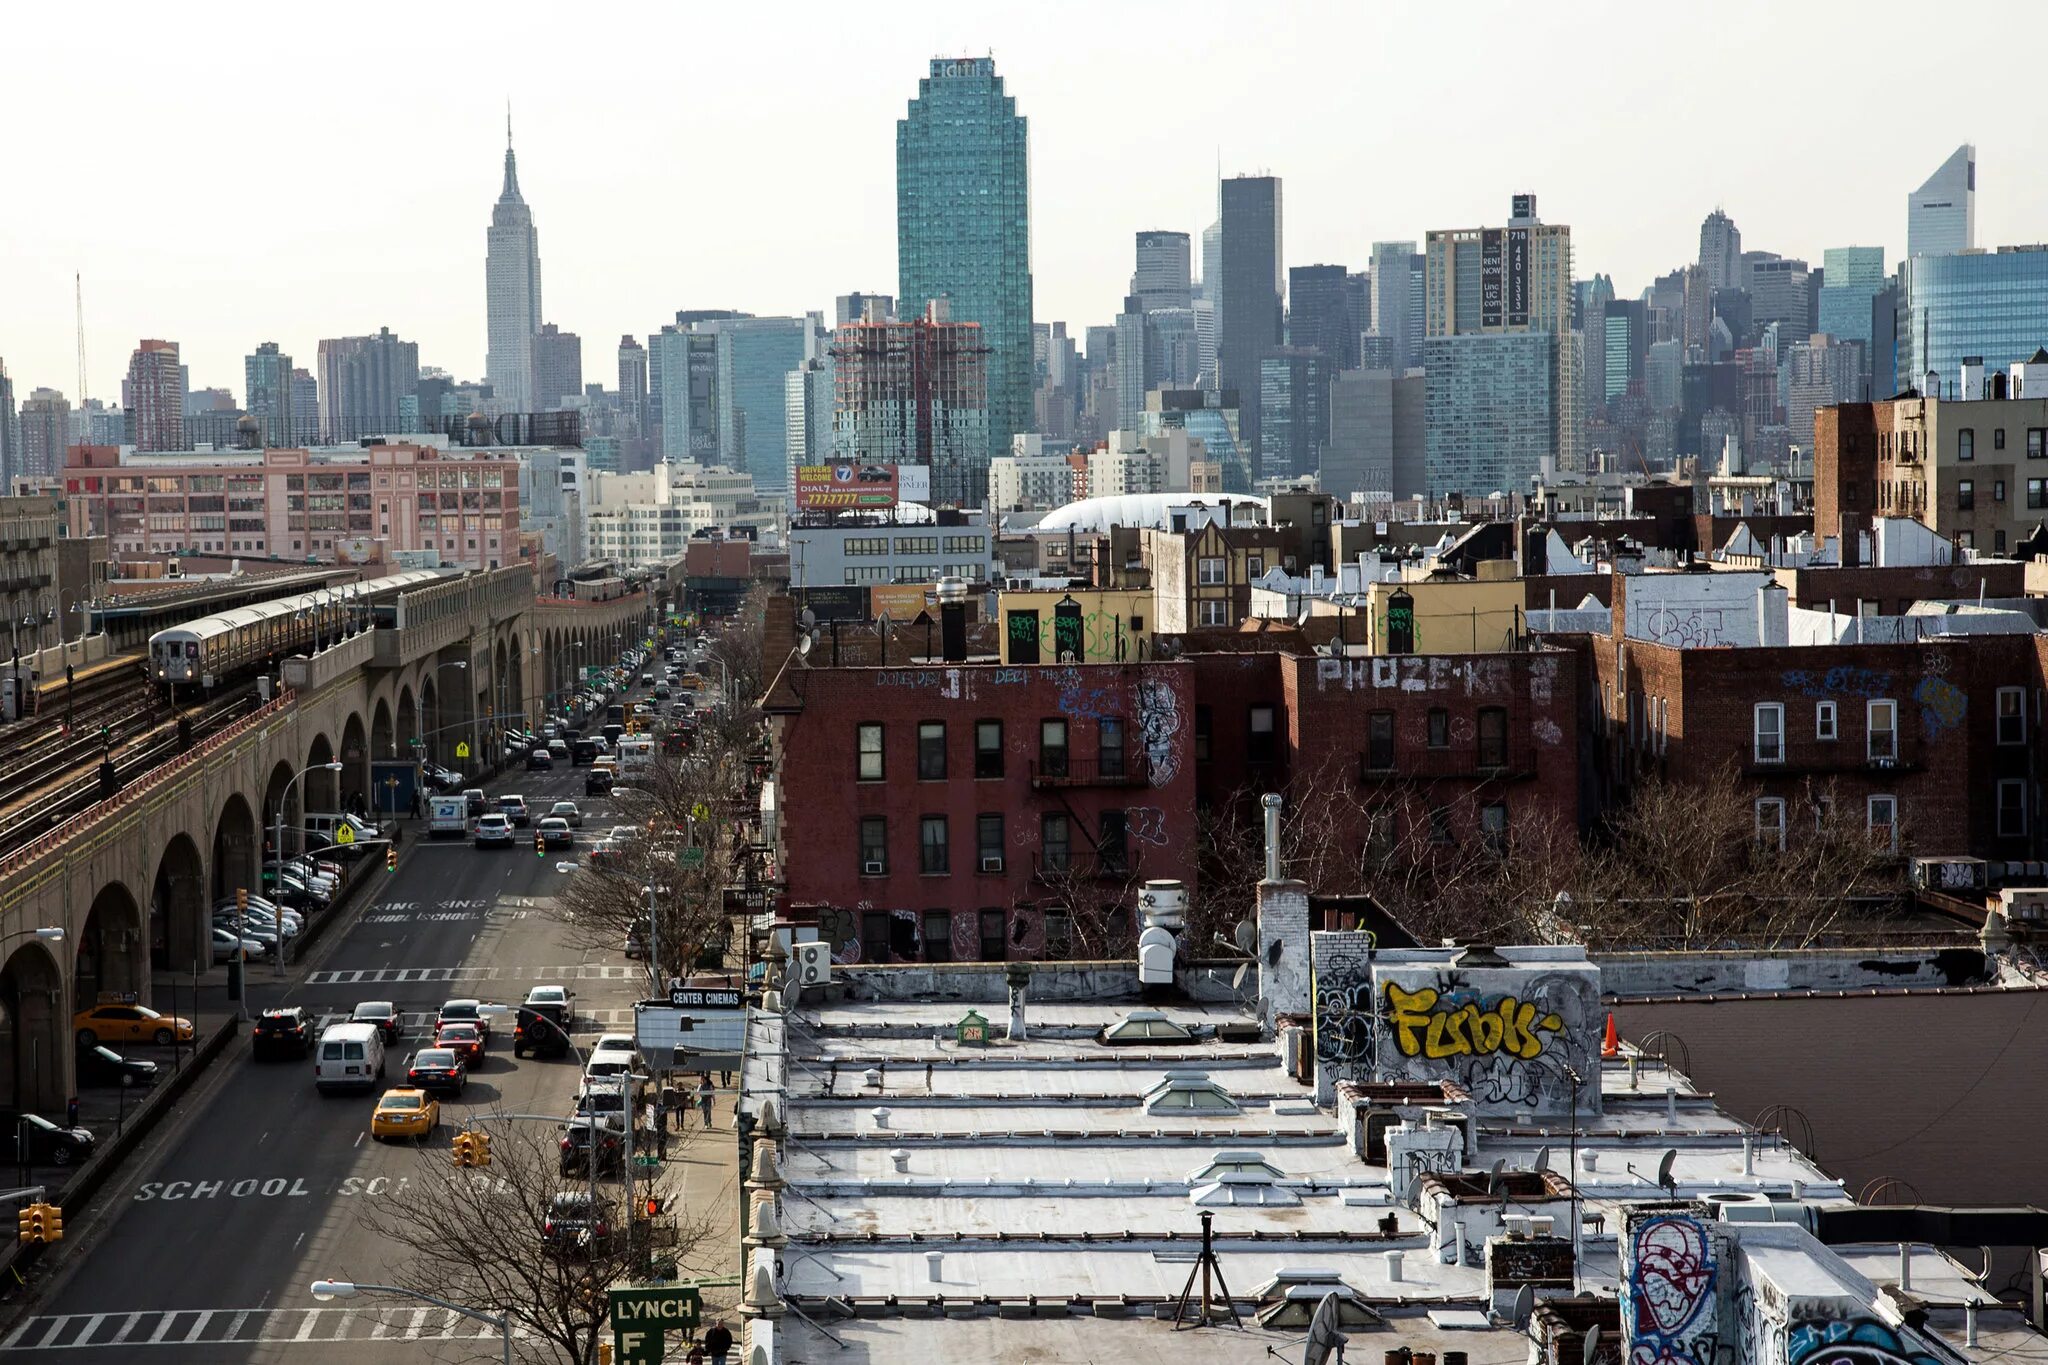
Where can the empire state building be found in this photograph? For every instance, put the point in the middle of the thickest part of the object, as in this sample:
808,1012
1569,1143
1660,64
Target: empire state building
512,287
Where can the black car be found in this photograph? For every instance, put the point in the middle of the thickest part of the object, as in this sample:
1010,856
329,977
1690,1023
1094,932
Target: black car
538,1035
437,1070
48,1144
540,758
384,1015
597,782
282,1033
576,1138
582,753
104,1066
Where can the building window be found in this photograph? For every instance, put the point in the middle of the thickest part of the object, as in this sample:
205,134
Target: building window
1770,823
1052,748
1214,611
1439,728
2037,442
1379,741
1966,444
932,855
1209,573
1998,542
931,751
1883,735
2012,715
1255,567
1259,744
1204,719
1111,845
938,936
1998,490
988,748
1059,935
1966,494
2037,494
1493,738
993,942
1440,825
1824,721
1883,822
1109,748
1055,849
1998,438
2012,807
988,842
1769,732
874,845
1493,826
870,769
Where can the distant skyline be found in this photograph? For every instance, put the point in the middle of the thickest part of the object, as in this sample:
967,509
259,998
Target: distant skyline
359,198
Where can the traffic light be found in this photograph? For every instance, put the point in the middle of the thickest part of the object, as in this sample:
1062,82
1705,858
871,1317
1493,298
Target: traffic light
31,1221
241,900
480,1149
53,1223
653,1206
540,844
391,857
41,1223
465,1149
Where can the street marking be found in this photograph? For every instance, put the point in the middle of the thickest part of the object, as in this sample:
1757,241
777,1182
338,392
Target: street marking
127,1327
89,1331
162,1328
200,1325
409,976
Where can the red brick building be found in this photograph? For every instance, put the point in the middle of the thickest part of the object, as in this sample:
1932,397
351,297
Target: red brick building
976,811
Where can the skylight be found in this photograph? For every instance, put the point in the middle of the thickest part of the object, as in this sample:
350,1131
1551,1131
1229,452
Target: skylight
1189,1092
1236,1163
1144,1026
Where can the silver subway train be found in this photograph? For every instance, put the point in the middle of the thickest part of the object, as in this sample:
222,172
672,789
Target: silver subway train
213,649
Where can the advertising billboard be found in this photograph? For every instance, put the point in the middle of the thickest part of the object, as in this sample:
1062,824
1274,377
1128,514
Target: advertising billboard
1489,277
1518,277
836,487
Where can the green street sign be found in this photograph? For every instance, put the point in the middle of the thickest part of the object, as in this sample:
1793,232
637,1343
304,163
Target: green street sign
690,857
643,1315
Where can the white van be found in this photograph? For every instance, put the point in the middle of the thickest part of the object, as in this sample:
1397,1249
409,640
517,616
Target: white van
349,1057
448,815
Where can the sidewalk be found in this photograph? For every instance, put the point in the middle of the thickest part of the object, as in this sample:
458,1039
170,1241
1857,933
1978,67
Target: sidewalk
700,1180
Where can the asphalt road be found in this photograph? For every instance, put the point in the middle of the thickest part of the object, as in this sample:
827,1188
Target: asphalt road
206,1253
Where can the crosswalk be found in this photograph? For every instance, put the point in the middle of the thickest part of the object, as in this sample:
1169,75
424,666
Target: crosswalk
403,976
422,1022
244,1326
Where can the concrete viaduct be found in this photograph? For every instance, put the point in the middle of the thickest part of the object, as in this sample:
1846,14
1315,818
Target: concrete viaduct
132,879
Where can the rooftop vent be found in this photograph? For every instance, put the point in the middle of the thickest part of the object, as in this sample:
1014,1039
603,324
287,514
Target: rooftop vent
1236,1163
1191,1092
1244,1189
1289,1300
1144,1026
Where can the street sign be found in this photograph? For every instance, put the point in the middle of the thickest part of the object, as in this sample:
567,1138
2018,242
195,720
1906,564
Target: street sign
462,748
690,857
705,997
643,1316
344,834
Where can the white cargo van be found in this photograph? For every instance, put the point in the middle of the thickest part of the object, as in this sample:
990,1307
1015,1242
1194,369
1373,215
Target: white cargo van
349,1057
448,816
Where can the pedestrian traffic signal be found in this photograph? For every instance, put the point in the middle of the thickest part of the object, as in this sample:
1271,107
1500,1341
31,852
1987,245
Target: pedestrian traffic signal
653,1206
391,857
241,900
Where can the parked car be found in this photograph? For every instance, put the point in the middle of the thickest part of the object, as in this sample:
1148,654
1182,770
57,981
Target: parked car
437,1071
382,1013
227,944
128,1024
284,1032
104,1066
47,1143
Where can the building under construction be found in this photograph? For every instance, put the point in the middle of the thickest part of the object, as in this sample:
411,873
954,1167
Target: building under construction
916,393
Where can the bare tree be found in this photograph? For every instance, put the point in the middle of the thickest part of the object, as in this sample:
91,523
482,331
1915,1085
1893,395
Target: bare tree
478,1237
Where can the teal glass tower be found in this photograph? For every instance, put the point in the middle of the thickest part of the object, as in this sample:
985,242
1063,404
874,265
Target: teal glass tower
963,228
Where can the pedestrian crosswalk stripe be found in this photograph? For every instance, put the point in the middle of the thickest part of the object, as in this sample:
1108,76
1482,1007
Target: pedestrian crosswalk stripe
378,976
124,1332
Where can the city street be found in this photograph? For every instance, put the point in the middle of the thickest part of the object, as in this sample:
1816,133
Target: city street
205,1251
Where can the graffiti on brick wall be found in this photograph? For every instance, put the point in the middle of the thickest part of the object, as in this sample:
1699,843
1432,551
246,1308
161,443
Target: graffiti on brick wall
966,938
1427,1024
1943,706
1145,825
1686,627
1347,1033
1842,681
1159,727
1667,1313
1082,698
1425,673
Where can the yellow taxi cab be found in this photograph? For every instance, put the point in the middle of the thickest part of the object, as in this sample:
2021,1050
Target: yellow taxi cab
126,1023
405,1113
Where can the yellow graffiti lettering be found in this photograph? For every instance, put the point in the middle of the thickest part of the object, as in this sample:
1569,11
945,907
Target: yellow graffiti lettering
1421,1029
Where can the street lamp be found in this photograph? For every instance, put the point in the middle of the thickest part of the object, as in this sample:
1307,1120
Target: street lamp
326,1291
283,800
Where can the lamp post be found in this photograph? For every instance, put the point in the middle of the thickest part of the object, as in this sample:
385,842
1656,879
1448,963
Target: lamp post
328,1290
283,800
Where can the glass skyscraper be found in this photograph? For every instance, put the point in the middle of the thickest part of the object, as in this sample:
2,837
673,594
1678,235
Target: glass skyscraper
755,356
1992,304
1854,274
1489,406
963,226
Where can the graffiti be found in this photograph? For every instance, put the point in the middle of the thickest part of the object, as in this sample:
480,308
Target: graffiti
1943,706
1695,628
1024,626
1841,681
1851,1341
966,938
840,929
1422,1028
910,677
1670,1292
1503,1082
1419,673
1346,1032
1081,699
1159,726
1145,825
1005,677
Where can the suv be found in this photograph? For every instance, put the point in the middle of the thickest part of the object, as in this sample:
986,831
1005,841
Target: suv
465,1011
577,1135
282,1033
598,782
513,807
538,1035
473,798
493,829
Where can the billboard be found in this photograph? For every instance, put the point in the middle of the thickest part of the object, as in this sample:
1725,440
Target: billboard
832,487
1489,277
1518,277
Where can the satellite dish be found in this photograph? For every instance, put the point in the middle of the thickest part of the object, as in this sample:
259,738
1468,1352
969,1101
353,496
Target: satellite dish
1525,1304
1542,1162
1664,1172
1237,977
1493,1181
1324,1338
1247,935
1592,1343
803,646
808,620
1302,620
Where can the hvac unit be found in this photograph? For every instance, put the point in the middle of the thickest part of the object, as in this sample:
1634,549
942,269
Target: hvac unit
812,963
871,869
991,864
2024,904
1955,875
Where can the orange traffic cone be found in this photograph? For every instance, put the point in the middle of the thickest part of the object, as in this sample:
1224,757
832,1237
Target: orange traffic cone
1610,1046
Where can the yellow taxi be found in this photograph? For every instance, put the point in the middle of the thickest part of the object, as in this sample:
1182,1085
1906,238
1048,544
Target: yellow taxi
405,1113
125,1023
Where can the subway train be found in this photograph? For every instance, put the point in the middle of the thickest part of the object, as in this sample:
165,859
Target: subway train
216,649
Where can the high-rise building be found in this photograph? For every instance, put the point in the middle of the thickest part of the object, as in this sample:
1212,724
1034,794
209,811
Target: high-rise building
1164,276
1394,274
366,385
1624,341
1490,281
305,399
1377,445
857,307
557,367
1211,416
810,402
683,384
1721,251
1819,373
1941,216
1855,275
963,229
1780,291
10,433
512,291
1884,340
1249,321
1322,313
1294,406
633,380
1173,348
154,396
1992,305
1133,381
1490,400
1208,299
916,393
45,433
267,376
755,355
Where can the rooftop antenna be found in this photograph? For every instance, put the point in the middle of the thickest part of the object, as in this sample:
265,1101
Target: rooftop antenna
78,293
1208,1267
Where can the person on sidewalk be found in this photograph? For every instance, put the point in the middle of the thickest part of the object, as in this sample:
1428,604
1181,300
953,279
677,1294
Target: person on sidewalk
705,1096
718,1341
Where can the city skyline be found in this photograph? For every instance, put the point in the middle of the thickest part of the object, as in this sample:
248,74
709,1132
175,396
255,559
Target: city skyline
394,247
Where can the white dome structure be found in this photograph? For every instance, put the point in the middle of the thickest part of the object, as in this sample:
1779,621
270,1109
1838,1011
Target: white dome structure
1091,515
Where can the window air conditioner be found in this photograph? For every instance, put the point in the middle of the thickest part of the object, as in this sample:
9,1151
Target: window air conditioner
991,864
873,869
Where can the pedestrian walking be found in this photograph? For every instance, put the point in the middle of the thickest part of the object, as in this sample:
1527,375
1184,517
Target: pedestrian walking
705,1095
718,1341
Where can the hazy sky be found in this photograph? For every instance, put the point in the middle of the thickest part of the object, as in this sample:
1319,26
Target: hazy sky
225,174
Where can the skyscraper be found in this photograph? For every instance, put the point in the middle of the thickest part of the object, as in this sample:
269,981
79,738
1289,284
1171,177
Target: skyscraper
45,432
1320,313
1393,269
855,307
1249,318
1992,304
1163,278
916,393
963,227
1721,251
305,407
512,291
267,376
1294,406
686,392
154,396
633,380
755,355
1854,277
1941,216
1132,379
810,402
10,433
366,383
557,367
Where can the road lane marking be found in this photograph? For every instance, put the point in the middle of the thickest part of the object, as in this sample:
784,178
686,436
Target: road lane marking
121,1336
162,1328
200,1325
241,1318
312,1321
77,1331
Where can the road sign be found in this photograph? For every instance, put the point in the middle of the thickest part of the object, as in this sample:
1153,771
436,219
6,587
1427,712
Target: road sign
643,1315
690,857
344,834
462,748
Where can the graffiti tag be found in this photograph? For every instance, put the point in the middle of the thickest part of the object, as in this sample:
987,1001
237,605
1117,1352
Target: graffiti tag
1671,1282
1507,1025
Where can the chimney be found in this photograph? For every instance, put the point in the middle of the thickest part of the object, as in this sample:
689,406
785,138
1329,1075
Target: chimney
953,618
1272,802
1773,616
1018,975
